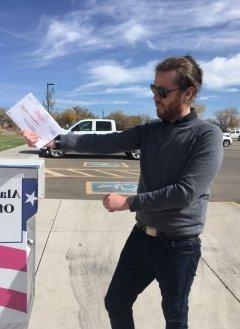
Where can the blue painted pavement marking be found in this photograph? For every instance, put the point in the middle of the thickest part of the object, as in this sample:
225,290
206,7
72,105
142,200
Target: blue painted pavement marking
106,187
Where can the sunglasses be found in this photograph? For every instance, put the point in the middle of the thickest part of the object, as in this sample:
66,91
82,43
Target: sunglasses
161,91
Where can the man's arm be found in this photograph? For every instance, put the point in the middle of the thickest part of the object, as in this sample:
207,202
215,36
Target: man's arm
126,140
197,175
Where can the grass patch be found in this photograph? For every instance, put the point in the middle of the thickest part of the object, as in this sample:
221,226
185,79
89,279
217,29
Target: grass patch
9,140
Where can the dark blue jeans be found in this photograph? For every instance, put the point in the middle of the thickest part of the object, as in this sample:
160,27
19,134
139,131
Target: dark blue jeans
144,258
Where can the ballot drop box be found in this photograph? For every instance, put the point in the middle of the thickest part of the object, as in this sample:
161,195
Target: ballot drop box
22,183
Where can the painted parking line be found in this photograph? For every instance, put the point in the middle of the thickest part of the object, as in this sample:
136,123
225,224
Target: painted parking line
113,173
107,173
80,172
53,173
98,164
107,187
129,172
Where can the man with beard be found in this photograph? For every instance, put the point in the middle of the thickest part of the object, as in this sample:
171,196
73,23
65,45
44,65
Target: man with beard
180,155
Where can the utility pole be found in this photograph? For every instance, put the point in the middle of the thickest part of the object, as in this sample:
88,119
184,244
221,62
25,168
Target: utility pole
48,100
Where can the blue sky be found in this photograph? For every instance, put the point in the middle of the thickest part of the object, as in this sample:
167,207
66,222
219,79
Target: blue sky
101,54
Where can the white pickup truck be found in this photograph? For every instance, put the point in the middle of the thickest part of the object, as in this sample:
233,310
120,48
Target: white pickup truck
89,126
234,133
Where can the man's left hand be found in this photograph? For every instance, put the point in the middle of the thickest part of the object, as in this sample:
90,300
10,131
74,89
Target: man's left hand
115,202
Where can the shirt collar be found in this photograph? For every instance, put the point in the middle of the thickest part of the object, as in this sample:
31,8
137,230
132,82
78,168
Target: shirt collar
186,118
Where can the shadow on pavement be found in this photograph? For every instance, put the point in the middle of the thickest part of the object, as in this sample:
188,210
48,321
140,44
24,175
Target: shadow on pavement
80,156
29,152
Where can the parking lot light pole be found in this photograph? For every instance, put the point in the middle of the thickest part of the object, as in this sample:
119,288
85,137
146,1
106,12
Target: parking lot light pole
48,101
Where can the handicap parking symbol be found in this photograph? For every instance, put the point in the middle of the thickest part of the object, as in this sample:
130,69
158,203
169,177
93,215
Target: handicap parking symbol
117,187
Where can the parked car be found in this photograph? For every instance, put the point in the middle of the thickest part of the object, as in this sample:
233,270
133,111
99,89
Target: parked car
234,133
227,140
89,126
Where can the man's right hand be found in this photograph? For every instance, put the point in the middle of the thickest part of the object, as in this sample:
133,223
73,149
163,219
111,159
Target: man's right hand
32,138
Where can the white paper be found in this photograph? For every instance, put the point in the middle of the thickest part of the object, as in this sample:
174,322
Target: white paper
29,114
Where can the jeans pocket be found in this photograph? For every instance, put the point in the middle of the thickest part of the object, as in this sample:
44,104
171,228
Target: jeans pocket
181,247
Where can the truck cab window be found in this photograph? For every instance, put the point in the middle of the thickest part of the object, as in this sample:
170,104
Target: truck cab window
83,126
103,126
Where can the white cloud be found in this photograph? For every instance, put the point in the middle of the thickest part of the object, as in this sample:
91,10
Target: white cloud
74,102
137,90
203,98
15,35
119,102
157,25
222,72
135,33
111,77
108,78
232,90
111,73
64,37
211,13
132,89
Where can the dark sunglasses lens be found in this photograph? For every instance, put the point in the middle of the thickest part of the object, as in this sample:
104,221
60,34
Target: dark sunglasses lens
153,89
162,92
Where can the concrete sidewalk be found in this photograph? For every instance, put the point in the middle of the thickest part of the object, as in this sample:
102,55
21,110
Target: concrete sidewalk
20,152
78,245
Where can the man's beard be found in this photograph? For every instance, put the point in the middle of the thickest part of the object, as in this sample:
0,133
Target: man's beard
171,112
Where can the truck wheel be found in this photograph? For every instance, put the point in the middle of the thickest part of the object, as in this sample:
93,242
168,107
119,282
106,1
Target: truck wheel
134,155
54,153
226,143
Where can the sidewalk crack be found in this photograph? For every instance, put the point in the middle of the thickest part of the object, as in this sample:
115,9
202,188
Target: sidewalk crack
50,231
221,280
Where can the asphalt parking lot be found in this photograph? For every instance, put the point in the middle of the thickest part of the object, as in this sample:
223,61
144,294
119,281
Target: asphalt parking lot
79,176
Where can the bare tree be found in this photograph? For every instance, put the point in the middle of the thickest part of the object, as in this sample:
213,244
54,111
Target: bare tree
2,116
226,119
199,108
5,120
234,118
145,118
124,121
83,113
69,116
120,119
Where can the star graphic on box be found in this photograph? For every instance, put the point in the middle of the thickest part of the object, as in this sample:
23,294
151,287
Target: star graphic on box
31,198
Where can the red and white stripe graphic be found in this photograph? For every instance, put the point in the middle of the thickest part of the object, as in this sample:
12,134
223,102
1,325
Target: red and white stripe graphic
13,282
16,259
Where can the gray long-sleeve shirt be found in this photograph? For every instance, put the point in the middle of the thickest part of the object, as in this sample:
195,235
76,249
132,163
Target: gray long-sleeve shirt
178,163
